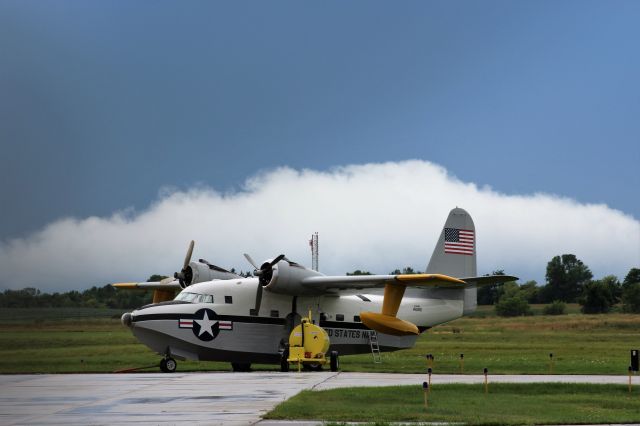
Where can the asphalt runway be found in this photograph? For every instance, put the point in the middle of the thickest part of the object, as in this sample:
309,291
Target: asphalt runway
195,398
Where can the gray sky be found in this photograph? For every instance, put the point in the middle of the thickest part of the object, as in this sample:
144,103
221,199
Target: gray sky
105,105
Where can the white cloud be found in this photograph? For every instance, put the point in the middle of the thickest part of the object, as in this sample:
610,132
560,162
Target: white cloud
374,216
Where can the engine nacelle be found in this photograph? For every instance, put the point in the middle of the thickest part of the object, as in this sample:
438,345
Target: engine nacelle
201,272
287,279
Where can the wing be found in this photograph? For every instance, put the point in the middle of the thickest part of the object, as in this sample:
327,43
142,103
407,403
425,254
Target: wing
378,281
394,287
154,285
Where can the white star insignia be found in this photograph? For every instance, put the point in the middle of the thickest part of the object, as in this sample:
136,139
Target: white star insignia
205,324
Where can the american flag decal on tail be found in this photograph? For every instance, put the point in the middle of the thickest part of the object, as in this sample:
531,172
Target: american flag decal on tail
459,241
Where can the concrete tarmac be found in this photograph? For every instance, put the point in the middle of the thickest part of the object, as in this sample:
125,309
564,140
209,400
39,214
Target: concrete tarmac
195,398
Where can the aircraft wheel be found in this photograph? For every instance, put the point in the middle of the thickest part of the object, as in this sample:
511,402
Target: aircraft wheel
335,361
168,365
241,367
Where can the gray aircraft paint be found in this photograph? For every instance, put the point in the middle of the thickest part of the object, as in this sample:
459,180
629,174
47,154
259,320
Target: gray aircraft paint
453,264
335,304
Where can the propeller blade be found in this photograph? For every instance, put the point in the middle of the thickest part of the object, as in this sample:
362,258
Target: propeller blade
213,267
187,258
277,259
250,260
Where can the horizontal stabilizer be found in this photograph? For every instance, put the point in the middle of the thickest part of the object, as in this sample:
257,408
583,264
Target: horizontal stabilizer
489,280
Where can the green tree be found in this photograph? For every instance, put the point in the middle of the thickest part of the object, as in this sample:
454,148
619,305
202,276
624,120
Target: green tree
597,298
631,298
555,308
512,303
407,270
612,282
490,294
632,277
530,291
631,292
566,277
359,272
155,278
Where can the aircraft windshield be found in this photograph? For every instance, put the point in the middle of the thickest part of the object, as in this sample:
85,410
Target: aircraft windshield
194,297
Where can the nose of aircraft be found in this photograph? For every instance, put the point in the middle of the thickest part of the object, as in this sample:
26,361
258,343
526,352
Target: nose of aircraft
126,319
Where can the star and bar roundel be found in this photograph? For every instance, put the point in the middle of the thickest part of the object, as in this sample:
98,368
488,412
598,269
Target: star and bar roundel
204,324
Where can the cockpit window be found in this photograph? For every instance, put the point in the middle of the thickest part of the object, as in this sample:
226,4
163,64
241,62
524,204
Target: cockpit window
194,297
187,297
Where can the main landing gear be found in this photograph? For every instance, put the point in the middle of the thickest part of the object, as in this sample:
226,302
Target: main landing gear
168,365
241,366
334,361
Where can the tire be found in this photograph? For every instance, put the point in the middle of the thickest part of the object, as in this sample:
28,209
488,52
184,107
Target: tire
312,366
170,365
163,365
284,364
239,367
335,361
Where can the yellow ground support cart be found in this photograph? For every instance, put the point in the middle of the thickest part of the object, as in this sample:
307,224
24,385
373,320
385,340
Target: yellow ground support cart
308,345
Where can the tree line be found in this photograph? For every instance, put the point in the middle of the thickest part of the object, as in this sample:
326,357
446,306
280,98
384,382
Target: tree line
95,297
568,280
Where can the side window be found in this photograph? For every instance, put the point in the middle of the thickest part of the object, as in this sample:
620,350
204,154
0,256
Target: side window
209,299
356,318
275,314
228,299
339,317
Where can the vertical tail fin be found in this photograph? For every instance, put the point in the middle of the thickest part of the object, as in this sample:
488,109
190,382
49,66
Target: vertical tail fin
455,253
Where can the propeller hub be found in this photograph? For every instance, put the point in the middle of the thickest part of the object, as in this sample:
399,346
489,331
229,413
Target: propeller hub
185,277
265,272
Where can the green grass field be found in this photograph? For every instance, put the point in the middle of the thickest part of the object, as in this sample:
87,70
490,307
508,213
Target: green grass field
504,404
581,344
93,340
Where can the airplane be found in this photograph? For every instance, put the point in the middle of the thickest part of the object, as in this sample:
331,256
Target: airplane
218,315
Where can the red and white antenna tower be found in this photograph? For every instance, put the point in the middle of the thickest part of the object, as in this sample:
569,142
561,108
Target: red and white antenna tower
313,243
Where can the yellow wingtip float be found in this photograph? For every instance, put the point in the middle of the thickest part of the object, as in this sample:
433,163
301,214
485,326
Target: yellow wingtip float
386,321
388,324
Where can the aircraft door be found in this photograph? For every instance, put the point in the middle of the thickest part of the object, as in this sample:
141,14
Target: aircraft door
292,319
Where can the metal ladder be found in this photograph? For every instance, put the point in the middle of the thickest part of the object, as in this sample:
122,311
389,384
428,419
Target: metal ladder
375,348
